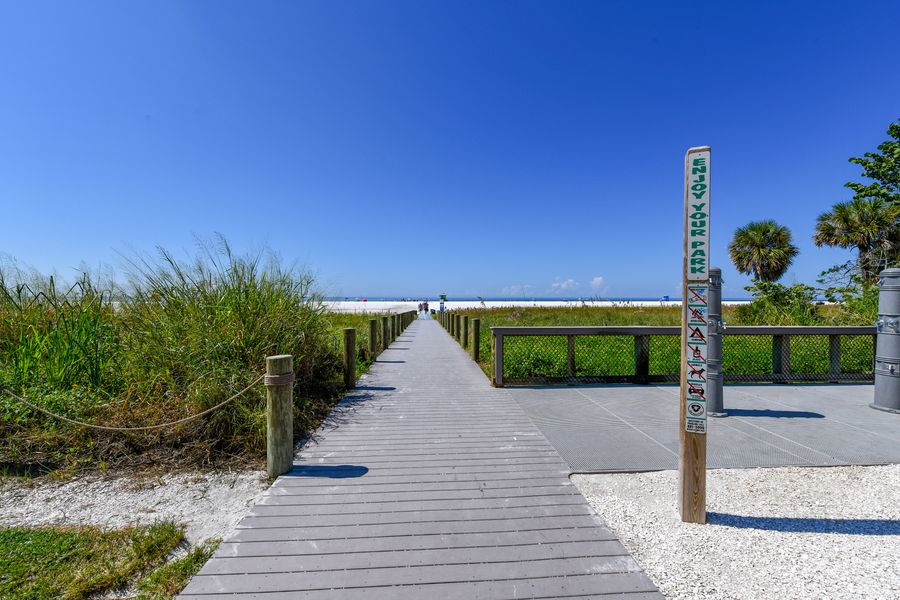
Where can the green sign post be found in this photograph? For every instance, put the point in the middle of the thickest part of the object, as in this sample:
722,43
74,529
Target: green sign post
694,337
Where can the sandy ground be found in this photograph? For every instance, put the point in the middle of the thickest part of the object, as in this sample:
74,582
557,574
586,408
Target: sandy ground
210,504
397,306
796,532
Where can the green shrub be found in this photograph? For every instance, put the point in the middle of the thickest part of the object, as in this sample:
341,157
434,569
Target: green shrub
778,304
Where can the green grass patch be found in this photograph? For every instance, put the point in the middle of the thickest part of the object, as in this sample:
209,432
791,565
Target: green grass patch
50,563
167,580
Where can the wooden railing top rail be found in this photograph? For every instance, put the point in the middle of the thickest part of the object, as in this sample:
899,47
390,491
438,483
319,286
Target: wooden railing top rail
670,330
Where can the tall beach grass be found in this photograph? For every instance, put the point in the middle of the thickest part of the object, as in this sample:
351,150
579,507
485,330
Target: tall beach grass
177,337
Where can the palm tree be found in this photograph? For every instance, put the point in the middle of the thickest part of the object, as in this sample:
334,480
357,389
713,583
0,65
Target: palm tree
870,225
763,249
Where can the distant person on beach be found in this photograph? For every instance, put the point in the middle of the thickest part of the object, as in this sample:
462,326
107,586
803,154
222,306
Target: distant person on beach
426,307
420,307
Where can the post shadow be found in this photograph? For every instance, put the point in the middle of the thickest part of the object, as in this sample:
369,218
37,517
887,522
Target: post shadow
775,414
807,525
329,471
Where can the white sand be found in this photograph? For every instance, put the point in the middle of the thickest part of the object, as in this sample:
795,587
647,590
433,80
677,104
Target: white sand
376,306
209,504
795,532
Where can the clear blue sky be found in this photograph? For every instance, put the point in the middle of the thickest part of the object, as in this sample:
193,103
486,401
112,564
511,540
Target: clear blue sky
473,148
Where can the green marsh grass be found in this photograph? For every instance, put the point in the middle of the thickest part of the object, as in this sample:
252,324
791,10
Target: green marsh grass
614,355
177,338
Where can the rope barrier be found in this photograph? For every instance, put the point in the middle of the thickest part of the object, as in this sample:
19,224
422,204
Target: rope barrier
145,428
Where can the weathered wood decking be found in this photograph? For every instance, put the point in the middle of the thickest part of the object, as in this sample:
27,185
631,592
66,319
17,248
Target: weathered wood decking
425,483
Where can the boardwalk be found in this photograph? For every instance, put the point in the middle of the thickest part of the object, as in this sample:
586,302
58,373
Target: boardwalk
426,483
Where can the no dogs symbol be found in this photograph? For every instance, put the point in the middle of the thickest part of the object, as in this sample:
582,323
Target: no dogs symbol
696,409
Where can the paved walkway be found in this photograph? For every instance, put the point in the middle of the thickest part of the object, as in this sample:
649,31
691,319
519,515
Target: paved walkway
425,483
634,428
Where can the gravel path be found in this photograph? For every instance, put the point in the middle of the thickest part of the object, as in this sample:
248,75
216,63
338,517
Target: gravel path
793,532
210,503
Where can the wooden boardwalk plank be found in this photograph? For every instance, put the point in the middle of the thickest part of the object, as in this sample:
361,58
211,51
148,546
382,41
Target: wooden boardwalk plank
412,544
424,483
406,558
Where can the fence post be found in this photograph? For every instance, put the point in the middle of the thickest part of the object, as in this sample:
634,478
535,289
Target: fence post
279,381
834,357
457,326
887,350
570,355
373,338
349,358
642,359
715,389
781,357
394,332
385,334
465,331
476,339
496,359
452,325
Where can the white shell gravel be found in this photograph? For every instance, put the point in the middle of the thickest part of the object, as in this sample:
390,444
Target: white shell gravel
797,532
210,504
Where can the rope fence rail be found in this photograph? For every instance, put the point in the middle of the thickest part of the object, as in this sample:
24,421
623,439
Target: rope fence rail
71,421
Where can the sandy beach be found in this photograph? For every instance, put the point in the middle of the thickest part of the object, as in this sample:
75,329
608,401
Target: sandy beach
376,306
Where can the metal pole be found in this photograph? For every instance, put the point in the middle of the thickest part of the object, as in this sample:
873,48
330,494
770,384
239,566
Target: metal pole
715,399
887,353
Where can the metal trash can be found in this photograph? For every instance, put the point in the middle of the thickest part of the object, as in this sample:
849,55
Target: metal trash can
887,347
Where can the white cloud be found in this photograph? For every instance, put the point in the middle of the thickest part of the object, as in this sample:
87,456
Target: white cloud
597,283
558,287
517,290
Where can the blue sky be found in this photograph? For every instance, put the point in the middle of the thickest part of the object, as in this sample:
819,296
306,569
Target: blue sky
410,148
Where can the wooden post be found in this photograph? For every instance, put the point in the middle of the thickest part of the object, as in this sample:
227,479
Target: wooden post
457,326
385,334
496,359
781,357
452,321
476,340
694,332
373,338
349,358
393,328
642,359
570,355
465,331
279,382
834,357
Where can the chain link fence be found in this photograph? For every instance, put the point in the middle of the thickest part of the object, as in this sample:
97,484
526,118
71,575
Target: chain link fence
585,355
